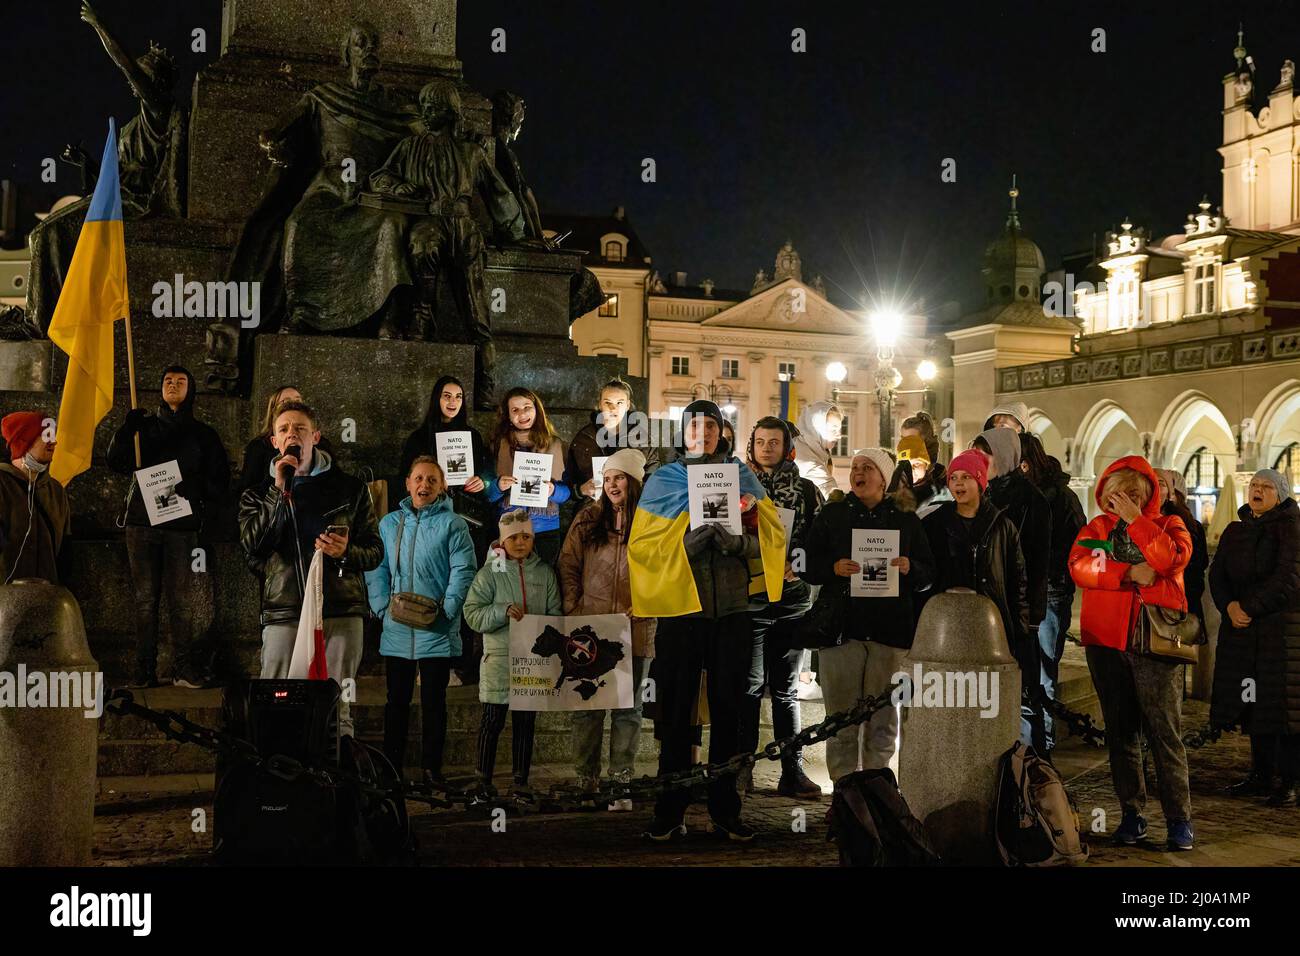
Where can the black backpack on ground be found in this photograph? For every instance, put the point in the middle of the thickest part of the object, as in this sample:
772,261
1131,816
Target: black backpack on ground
870,822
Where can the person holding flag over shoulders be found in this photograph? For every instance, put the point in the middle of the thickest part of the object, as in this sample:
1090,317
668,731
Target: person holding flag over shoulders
698,582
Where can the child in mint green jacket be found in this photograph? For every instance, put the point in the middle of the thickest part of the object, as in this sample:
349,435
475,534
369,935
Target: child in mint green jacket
513,581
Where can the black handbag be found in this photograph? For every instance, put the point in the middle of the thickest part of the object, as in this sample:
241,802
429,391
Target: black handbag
823,625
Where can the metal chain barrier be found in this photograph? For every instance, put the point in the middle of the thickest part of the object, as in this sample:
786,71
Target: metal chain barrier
177,727
1082,725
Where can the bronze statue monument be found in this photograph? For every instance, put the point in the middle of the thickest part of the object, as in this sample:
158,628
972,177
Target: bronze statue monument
438,172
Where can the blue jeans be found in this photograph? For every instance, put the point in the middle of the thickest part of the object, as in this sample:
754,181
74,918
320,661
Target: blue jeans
624,732
1051,643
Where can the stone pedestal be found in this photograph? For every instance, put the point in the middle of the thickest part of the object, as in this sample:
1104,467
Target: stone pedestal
47,753
950,750
26,366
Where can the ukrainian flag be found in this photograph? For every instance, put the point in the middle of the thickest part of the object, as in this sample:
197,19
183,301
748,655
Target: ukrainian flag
660,572
93,298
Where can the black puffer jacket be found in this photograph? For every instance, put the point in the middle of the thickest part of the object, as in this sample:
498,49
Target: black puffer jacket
266,530
886,620
179,436
1027,509
1068,520
982,554
1194,573
1257,564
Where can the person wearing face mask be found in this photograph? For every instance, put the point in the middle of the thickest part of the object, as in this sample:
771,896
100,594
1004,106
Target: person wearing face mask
818,430
1255,583
35,519
878,631
594,579
162,556
306,503
1025,507
427,552
698,582
1128,556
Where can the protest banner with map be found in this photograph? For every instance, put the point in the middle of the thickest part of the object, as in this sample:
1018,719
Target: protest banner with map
574,662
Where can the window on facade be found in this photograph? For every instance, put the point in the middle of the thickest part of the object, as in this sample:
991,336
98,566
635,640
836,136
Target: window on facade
614,251
1203,298
681,365
1203,482
1126,302
731,368
609,309
785,369
842,446
1289,464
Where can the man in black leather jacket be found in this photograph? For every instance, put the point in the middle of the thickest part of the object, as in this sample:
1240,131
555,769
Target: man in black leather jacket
283,520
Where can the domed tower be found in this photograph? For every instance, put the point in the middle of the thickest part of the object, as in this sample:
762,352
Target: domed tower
1013,263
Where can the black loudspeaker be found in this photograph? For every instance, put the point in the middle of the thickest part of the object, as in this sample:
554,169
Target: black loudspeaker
296,718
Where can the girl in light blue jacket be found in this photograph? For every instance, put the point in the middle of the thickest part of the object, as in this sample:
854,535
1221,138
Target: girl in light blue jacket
427,551
514,581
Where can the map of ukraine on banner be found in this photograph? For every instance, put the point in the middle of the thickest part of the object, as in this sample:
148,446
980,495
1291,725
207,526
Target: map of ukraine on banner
574,662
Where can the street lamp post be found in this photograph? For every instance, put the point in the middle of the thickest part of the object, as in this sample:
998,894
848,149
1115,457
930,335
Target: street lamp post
715,391
885,326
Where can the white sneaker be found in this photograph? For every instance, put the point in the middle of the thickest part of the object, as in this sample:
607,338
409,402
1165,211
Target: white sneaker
810,690
623,805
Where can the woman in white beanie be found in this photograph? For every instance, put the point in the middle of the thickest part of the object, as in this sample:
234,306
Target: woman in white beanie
594,580
878,631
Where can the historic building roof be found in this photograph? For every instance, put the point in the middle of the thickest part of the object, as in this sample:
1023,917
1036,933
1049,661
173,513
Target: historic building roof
588,231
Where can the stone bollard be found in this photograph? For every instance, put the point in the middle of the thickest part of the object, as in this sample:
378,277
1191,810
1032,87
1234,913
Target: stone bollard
47,753
950,750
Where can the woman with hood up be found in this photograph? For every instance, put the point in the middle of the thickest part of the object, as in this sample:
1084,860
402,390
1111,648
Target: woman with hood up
1128,556
818,431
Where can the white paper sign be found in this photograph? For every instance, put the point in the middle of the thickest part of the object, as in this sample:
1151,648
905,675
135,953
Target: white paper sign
456,456
532,472
598,473
158,491
787,521
873,551
579,662
714,495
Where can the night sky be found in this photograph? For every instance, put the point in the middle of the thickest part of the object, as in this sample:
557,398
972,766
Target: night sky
838,148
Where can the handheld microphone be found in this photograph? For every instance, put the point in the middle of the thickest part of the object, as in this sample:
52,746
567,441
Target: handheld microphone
294,451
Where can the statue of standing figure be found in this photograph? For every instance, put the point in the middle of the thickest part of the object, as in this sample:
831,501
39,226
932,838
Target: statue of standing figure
151,152
441,171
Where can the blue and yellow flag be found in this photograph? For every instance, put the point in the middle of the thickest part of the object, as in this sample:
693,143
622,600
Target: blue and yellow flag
789,399
93,298
660,572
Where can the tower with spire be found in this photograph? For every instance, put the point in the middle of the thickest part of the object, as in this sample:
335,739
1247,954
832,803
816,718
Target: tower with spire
1013,263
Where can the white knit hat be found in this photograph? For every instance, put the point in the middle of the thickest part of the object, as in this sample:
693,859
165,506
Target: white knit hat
879,457
630,461
514,522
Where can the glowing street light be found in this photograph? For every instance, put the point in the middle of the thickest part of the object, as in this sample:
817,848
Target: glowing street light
836,372
927,370
886,324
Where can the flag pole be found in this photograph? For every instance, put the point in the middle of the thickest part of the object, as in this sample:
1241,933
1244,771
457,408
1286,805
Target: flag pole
130,371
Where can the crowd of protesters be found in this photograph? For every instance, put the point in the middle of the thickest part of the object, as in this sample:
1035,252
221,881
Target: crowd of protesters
716,618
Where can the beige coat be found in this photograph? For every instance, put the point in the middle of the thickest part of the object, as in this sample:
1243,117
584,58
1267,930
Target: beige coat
594,578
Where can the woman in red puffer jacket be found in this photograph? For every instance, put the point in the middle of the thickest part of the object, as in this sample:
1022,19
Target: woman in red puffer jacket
1128,555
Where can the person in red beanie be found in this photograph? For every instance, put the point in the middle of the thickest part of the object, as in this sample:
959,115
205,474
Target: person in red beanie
975,546
35,519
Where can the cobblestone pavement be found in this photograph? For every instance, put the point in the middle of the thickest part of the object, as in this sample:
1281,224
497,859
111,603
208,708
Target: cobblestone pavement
145,829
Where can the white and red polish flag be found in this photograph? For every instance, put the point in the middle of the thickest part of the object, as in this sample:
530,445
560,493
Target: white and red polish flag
309,645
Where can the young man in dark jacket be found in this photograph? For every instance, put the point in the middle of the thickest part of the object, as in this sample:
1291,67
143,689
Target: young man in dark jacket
975,546
878,631
1067,520
307,504
775,662
1025,507
162,556
35,519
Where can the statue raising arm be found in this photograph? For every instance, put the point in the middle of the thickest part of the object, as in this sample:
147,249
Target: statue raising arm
156,100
